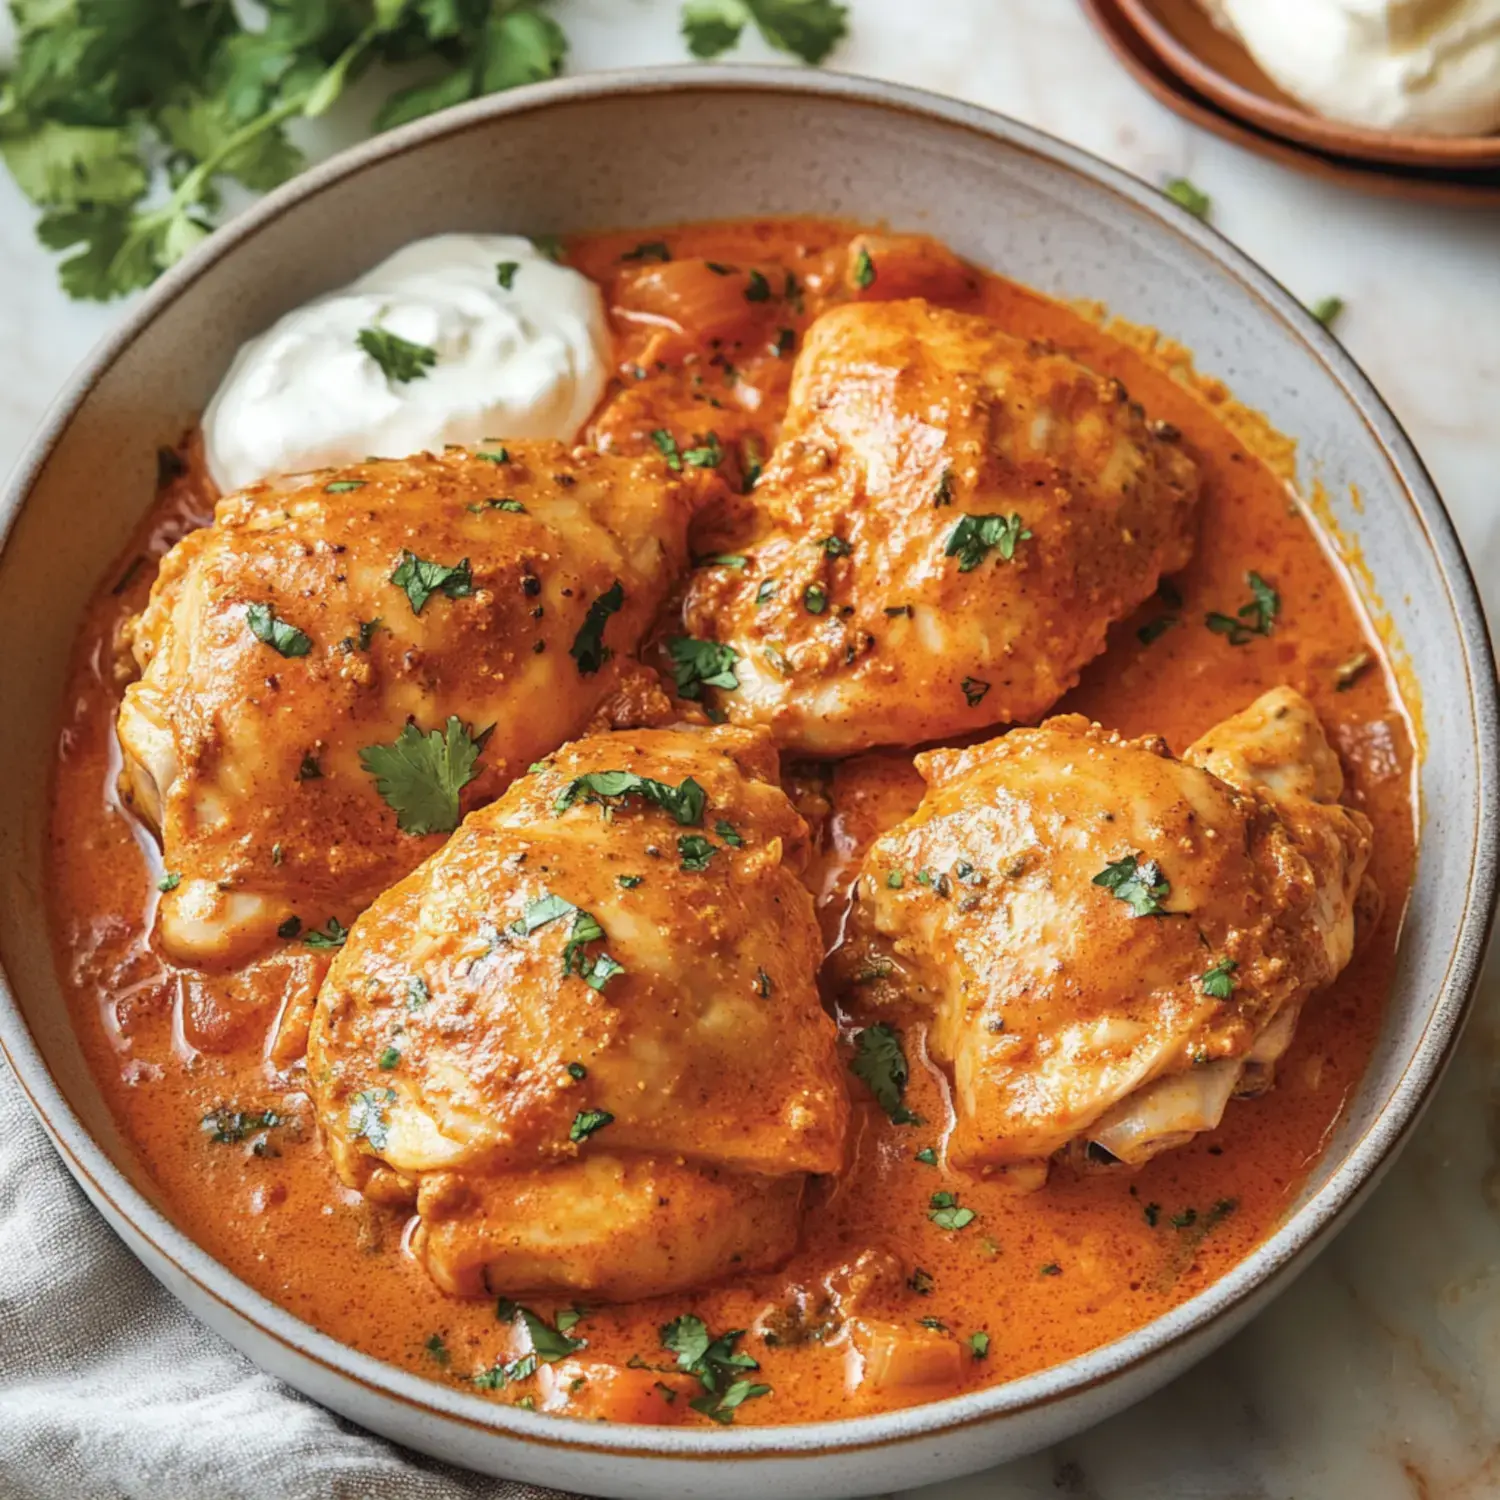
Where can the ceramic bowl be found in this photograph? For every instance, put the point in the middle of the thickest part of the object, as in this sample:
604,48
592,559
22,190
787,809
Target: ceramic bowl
694,143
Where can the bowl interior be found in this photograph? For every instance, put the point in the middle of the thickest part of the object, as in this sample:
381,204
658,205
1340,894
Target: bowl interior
643,151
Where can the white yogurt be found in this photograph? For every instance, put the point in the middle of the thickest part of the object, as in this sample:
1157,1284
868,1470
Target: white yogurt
1427,66
528,360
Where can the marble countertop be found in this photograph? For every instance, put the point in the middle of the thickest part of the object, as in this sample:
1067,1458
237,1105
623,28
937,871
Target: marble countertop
1378,1373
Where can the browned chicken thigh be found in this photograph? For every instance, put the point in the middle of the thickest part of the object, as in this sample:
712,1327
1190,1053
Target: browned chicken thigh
343,660
585,1038
1109,942
950,524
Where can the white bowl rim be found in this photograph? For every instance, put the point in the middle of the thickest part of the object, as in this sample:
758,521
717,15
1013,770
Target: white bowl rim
1313,1222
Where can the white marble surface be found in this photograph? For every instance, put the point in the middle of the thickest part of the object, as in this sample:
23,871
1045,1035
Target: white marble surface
1378,1374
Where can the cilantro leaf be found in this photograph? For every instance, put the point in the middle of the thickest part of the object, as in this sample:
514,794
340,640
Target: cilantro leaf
1253,619
587,1121
944,1211
809,29
880,1063
230,1127
588,648
1218,981
701,664
971,540
266,626
421,578
399,359
420,775
685,802
1142,887
696,851
548,1343
335,935
1186,195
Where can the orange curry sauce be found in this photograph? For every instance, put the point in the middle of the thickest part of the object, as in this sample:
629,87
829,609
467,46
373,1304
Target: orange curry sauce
1047,1276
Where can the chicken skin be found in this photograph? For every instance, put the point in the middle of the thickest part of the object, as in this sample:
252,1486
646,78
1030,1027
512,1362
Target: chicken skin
1109,942
345,659
585,1037
950,524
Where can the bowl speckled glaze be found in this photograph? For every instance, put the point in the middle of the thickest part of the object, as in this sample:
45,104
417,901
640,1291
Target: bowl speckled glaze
696,143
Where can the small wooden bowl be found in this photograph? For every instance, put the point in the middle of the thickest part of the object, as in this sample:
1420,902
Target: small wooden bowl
1464,189
1186,40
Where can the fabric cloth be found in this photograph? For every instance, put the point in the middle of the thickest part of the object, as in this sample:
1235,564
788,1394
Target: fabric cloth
111,1390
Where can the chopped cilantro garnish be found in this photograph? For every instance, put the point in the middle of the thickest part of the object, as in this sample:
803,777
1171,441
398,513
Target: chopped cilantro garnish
420,578
334,935
170,881
421,775
701,664
610,788
266,626
727,832
505,273
588,648
577,1071
758,288
944,1211
975,689
1185,195
1142,887
706,455
1327,309
864,269
399,359
343,486
715,1362
971,540
927,1156
767,590
696,851
587,1121
666,445
1250,620
1218,981
230,1127
548,1343
835,546
814,599
979,1344
388,1059
880,1063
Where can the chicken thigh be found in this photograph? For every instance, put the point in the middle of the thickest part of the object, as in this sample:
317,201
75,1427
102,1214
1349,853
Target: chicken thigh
1108,942
345,659
950,524
585,1037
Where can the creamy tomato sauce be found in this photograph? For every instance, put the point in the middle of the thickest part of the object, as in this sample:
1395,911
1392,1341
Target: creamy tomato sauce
1045,1276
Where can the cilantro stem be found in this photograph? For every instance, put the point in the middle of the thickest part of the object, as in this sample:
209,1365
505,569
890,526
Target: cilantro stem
311,101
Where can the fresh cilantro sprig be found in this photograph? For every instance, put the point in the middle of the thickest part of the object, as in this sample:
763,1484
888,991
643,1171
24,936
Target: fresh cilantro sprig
684,802
123,119
420,775
700,664
717,1364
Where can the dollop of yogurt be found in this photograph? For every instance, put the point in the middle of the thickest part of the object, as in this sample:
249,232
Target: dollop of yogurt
1431,67
520,349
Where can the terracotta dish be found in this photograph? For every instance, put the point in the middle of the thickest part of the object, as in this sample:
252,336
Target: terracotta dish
1219,67
1138,37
